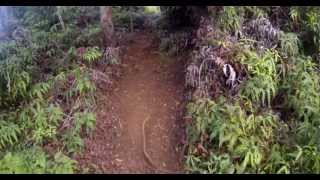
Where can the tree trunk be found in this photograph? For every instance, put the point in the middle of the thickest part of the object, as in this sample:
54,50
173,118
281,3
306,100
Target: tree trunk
107,25
60,18
131,22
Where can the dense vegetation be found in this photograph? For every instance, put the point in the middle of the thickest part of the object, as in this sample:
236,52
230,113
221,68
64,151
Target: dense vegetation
47,87
52,60
252,81
268,120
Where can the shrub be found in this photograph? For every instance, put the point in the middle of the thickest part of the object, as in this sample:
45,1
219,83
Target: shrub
223,136
34,160
262,82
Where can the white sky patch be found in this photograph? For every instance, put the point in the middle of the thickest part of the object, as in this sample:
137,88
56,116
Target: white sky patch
152,9
3,17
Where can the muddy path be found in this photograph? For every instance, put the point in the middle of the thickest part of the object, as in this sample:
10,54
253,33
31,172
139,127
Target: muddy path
149,93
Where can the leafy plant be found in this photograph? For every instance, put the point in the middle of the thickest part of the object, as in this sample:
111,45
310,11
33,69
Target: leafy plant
231,19
92,55
247,133
72,139
9,132
34,160
90,36
62,164
84,120
227,129
42,86
83,85
302,84
262,80
289,44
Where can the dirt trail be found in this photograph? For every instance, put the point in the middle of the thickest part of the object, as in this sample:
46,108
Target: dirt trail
151,87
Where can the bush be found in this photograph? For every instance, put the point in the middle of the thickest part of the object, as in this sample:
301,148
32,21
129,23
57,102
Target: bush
44,89
224,139
262,82
272,124
35,161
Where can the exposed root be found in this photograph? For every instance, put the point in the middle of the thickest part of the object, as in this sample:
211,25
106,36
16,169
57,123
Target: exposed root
144,144
147,156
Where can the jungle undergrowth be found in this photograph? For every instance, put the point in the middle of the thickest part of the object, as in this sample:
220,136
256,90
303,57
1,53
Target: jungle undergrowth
47,90
268,121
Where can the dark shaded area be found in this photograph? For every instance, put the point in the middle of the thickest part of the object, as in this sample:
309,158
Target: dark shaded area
183,16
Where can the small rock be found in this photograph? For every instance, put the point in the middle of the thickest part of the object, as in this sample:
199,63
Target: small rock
164,164
119,160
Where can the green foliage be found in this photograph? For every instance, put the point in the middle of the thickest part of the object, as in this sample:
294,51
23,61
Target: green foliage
313,18
41,81
304,88
262,72
90,36
215,164
17,164
230,19
231,141
277,161
35,161
289,43
40,17
92,55
33,123
242,140
72,141
123,16
45,97
255,12
308,158
239,136
83,85
16,86
85,120
14,76
82,121
45,121
62,164
39,90
295,14
305,22
9,133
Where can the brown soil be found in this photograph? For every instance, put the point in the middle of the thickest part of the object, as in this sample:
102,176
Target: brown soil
151,87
